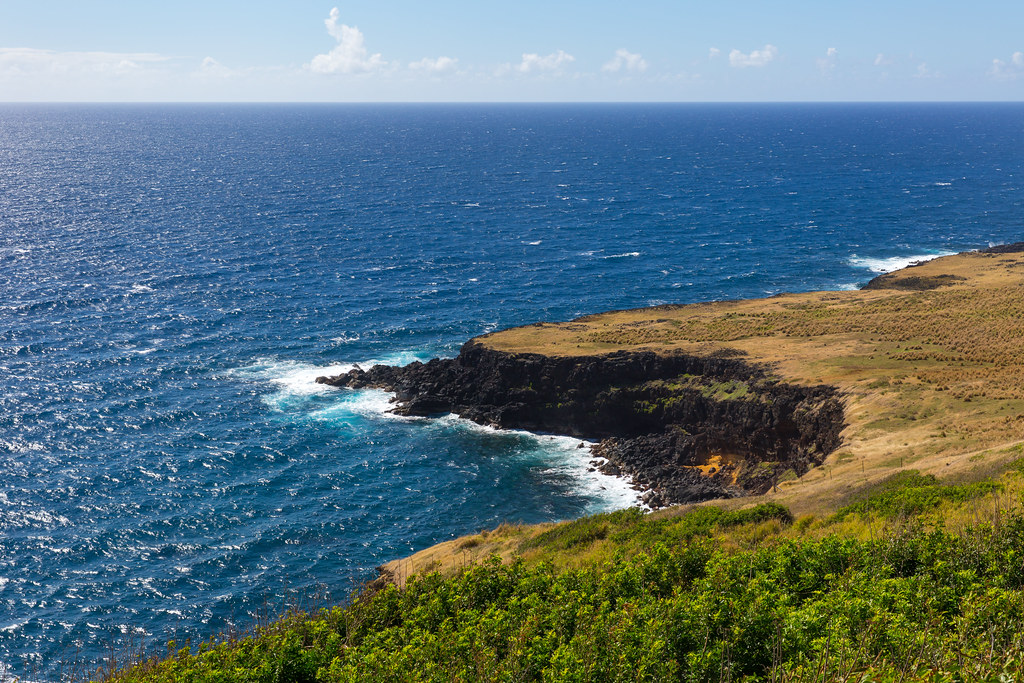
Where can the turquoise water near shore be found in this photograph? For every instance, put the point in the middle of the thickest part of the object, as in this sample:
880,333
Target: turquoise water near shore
175,277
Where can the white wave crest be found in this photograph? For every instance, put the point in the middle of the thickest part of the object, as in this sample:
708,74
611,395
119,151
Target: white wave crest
562,455
296,379
361,403
891,263
297,390
292,377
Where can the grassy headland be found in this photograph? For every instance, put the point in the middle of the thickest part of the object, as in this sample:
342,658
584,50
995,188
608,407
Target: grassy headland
930,360
900,558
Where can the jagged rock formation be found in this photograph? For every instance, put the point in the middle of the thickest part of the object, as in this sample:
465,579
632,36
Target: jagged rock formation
685,427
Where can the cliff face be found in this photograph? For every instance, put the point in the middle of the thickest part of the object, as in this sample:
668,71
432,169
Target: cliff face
687,428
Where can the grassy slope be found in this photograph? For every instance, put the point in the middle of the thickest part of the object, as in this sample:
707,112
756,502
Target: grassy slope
913,580
933,379
933,383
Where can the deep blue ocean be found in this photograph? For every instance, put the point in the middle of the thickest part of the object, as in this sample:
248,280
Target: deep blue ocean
173,278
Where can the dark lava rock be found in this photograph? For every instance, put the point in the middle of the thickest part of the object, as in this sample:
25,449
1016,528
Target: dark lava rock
657,416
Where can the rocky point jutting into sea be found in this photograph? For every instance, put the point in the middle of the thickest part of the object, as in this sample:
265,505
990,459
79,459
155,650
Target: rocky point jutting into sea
686,428
726,399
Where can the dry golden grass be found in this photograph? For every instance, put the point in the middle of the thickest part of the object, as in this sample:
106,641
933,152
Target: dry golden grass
933,379
510,541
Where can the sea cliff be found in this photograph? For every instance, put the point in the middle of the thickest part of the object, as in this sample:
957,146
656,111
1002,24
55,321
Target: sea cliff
685,427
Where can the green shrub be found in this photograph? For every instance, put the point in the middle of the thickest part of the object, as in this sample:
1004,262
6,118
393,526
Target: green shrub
920,604
909,493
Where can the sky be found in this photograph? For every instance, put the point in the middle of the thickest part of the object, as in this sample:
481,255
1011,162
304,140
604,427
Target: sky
528,50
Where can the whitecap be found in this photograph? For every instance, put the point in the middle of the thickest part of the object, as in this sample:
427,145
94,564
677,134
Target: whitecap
627,254
13,626
296,380
891,263
563,456
357,402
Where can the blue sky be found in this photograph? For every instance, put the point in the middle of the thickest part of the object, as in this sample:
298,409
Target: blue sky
406,50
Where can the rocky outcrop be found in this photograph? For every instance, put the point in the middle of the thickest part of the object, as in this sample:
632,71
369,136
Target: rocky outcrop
685,427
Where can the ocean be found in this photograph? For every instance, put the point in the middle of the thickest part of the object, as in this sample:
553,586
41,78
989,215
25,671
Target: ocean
173,278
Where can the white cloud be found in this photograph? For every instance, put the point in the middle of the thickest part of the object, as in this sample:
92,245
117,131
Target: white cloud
18,62
214,69
756,58
625,60
533,62
1011,69
827,64
434,66
923,71
714,52
882,60
350,55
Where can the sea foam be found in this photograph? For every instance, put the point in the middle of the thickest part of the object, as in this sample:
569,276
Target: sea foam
892,263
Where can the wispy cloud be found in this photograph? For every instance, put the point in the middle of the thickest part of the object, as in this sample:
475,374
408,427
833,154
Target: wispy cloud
1014,68
827,64
757,58
33,62
924,71
624,60
211,68
713,53
350,55
438,65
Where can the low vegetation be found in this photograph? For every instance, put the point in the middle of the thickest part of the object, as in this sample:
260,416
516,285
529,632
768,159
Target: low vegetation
883,589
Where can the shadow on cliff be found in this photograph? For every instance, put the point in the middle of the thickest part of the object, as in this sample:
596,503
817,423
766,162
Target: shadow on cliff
686,428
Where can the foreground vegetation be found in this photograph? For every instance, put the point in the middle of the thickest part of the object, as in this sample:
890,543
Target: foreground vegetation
884,589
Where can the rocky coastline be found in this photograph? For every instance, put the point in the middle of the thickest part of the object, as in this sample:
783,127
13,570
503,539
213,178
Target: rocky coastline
685,428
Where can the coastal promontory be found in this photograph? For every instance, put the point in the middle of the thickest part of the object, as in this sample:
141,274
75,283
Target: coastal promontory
799,395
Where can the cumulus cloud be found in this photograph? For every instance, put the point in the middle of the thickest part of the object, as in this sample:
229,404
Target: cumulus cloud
1011,69
434,66
533,62
624,60
756,58
34,62
713,53
350,55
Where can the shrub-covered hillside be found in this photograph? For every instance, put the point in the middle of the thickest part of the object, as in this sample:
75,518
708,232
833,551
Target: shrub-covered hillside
912,580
